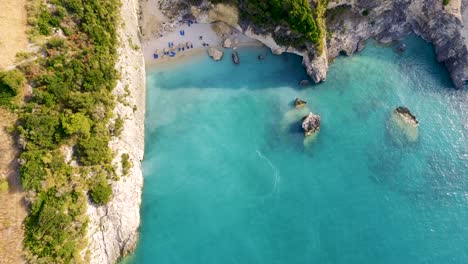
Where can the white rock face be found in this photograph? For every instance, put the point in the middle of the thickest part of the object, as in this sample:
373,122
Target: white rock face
386,20
227,43
215,53
390,20
113,229
311,124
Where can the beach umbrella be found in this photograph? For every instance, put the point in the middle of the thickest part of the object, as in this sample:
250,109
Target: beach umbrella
188,44
181,45
166,50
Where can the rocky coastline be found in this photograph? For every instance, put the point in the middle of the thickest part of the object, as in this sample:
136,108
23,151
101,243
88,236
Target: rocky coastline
351,23
113,228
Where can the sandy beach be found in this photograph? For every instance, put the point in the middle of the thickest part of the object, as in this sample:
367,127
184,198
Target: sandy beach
196,35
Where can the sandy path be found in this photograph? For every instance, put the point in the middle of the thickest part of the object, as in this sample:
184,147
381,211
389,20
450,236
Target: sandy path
12,210
13,36
13,39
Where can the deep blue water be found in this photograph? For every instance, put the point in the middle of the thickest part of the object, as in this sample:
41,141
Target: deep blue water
229,178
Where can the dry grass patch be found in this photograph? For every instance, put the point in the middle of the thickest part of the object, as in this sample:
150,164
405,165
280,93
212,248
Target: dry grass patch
13,37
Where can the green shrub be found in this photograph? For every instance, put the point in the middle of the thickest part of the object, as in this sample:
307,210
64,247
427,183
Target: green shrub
126,164
3,185
445,2
76,124
365,12
93,151
11,83
306,24
70,106
101,193
51,226
118,126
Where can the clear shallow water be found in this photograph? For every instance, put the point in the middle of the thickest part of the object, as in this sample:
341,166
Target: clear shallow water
228,178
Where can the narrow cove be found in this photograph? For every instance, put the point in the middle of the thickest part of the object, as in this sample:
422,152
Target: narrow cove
229,178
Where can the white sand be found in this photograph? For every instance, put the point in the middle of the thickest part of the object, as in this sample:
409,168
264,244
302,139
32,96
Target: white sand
192,35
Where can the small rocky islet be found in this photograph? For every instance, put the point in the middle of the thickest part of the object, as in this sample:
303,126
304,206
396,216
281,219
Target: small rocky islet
403,126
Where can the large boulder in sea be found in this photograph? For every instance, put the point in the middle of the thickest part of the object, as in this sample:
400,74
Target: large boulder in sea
311,124
215,53
406,115
403,127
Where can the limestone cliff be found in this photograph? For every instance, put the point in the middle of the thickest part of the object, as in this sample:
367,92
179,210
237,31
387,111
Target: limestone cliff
351,22
113,228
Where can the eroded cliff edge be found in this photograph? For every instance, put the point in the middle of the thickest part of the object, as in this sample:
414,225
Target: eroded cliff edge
351,22
113,228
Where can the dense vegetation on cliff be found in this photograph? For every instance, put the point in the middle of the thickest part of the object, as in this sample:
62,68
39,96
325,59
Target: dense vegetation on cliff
69,112
298,22
11,83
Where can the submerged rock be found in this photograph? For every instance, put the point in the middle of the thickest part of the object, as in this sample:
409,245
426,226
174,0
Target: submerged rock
261,57
403,127
235,57
304,83
299,103
215,53
311,124
401,48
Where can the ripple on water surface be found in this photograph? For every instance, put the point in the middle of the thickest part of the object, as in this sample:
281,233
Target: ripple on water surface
225,182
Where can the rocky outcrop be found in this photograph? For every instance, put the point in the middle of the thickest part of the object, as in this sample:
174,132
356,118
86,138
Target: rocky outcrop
113,228
351,22
311,124
298,103
391,20
403,127
235,57
406,115
227,43
215,53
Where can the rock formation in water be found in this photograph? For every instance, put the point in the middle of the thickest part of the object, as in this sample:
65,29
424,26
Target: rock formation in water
406,115
299,103
311,124
390,20
235,57
350,23
403,127
304,83
215,53
401,48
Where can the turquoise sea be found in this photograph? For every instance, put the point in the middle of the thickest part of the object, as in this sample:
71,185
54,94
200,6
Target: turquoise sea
229,178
